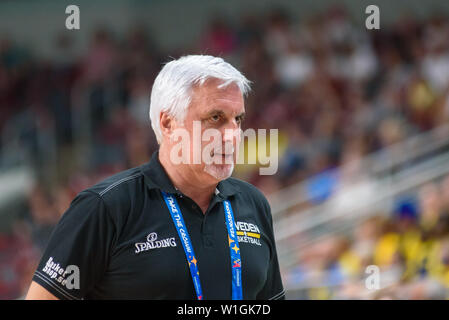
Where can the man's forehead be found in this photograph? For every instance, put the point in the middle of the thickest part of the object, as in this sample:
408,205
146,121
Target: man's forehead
210,97
224,106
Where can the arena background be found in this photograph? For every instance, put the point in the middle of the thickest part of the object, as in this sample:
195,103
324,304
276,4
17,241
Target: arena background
363,175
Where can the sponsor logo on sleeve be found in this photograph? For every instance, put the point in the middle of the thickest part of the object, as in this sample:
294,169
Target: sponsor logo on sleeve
66,276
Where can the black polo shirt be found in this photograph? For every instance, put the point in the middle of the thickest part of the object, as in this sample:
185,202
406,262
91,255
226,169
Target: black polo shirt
120,236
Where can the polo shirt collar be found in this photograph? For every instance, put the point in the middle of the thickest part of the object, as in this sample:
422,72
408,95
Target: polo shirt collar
155,175
156,178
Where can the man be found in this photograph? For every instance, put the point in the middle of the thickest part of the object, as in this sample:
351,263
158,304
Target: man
171,229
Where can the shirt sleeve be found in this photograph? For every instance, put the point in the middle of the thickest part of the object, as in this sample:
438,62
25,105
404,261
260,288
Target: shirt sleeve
273,288
78,250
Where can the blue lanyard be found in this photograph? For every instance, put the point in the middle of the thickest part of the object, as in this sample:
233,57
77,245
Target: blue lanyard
236,264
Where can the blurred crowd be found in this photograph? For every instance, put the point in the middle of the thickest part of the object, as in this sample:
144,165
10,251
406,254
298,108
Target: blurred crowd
335,91
409,248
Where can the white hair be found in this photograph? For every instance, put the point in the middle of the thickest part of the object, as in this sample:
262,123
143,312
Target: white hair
172,88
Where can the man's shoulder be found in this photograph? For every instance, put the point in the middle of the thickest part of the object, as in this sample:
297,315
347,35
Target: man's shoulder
117,184
117,194
250,196
247,189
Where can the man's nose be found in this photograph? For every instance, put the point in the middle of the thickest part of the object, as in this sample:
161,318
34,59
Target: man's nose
231,128
231,135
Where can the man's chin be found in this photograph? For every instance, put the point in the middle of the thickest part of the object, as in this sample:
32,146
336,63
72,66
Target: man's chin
219,171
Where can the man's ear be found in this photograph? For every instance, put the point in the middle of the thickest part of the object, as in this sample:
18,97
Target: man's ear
166,123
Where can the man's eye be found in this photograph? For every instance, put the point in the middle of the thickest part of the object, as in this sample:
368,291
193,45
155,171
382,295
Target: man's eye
215,118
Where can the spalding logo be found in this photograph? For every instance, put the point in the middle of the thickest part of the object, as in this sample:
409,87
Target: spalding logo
153,243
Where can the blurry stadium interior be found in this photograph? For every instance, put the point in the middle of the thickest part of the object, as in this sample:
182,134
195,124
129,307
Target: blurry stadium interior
363,176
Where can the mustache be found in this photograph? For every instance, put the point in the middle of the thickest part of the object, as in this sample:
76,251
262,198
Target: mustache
228,150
